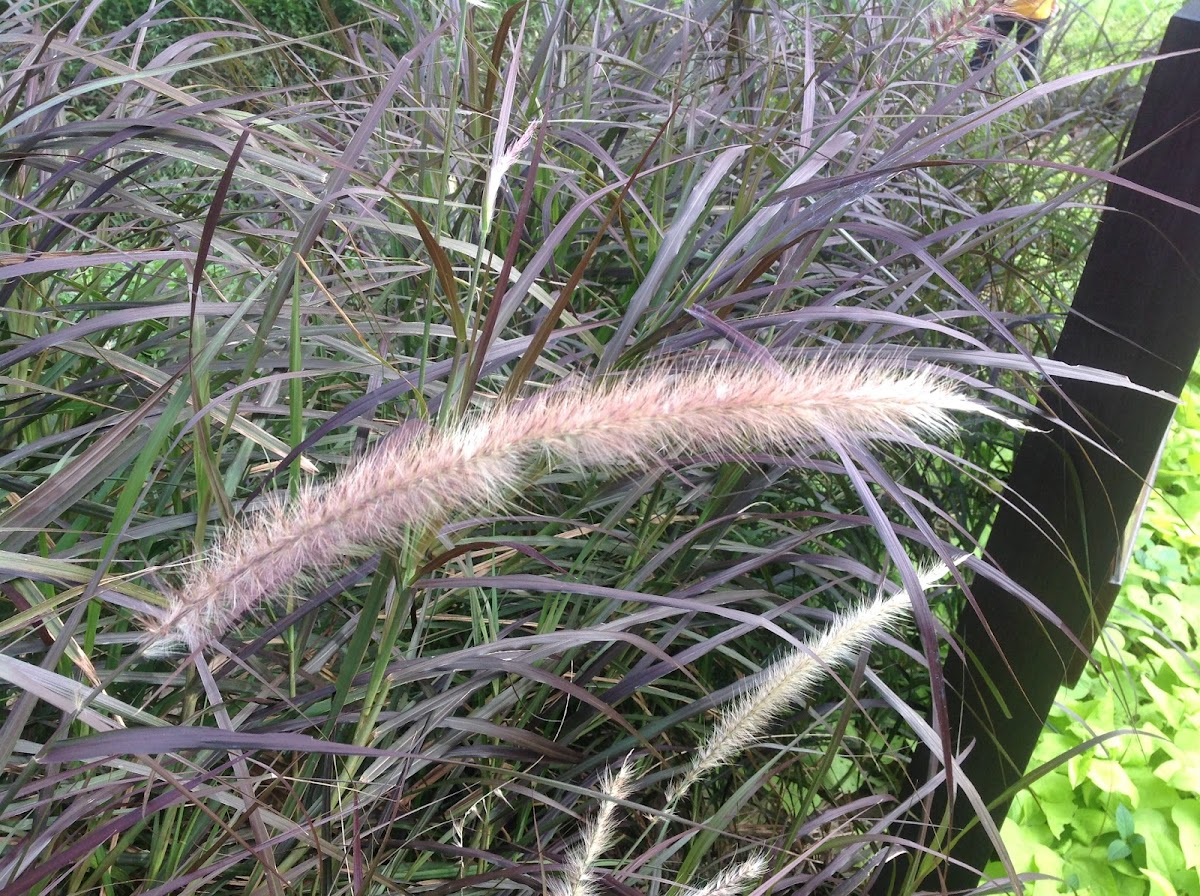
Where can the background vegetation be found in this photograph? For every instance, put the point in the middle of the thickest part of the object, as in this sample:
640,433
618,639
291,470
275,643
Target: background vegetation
236,256
1124,817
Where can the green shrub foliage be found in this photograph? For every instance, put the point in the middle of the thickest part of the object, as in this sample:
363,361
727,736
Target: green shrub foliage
1122,818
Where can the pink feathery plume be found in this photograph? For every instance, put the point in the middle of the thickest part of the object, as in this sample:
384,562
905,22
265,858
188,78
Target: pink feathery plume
633,422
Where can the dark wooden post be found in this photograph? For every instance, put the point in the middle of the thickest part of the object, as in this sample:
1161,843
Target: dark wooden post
1137,312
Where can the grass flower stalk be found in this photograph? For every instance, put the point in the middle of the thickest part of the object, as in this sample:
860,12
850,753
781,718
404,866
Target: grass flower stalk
637,421
579,873
734,880
791,680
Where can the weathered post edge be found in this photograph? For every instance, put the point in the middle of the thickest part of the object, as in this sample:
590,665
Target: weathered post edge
1136,312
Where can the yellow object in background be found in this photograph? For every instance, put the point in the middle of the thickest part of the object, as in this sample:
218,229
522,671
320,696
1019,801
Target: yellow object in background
1034,10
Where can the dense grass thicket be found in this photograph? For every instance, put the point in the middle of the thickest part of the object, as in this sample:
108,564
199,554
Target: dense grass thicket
239,264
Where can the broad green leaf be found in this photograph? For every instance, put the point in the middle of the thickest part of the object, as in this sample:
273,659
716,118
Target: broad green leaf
1185,744
1124,820
1179,664
1188,882
1159,884
1180,774
1077,768
1163,852
1022,805
1150,792
1043,887
1118,850
1178,622
1104,714
1097,878
1091,824
1027,845
1058,803
1111,777
1186,815
1191,699
1052,744
1163,705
